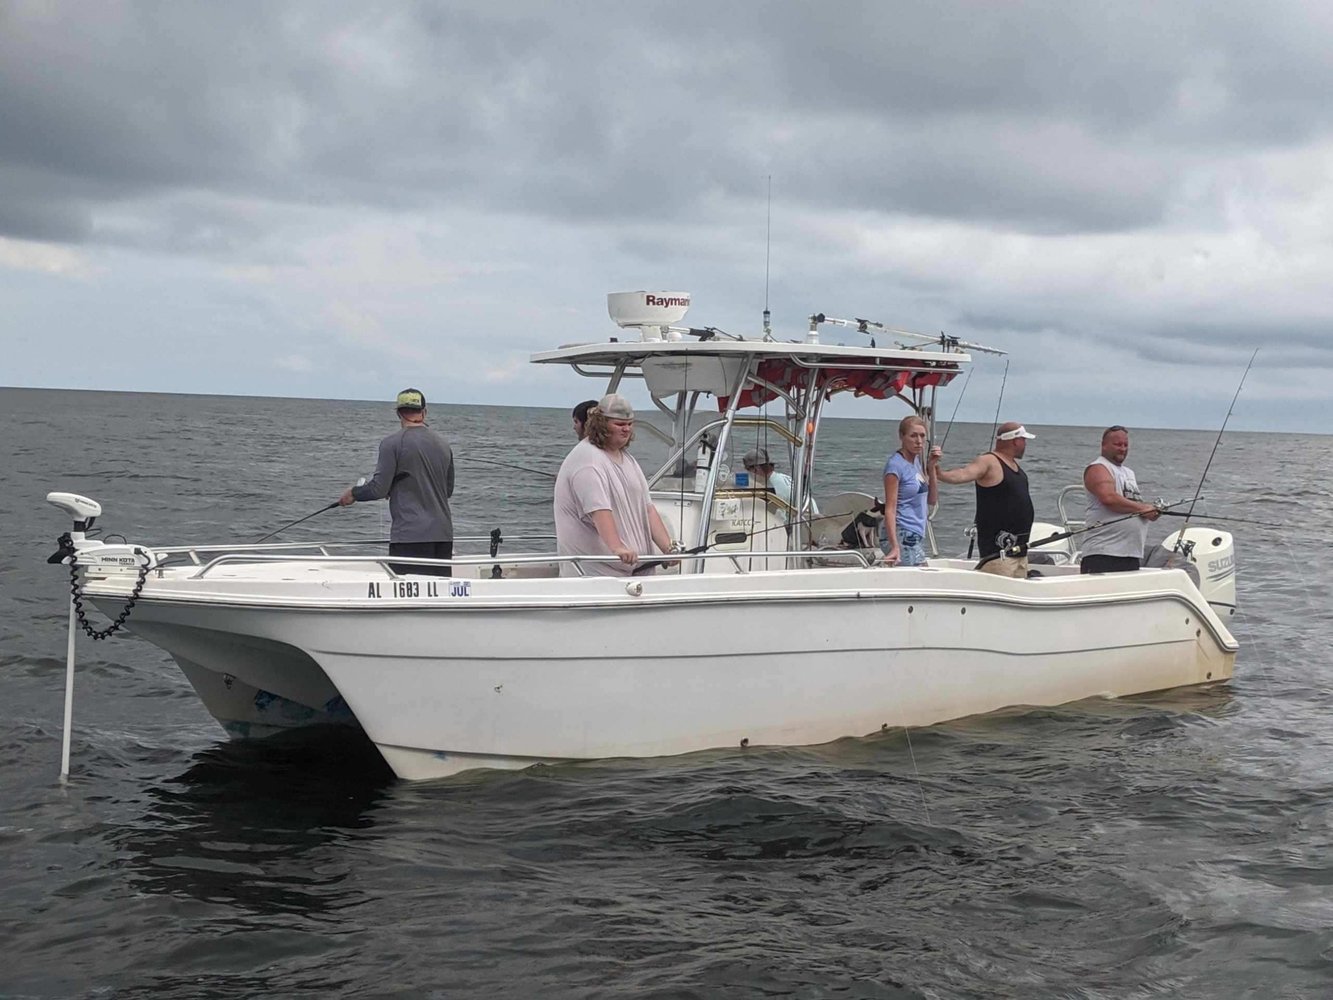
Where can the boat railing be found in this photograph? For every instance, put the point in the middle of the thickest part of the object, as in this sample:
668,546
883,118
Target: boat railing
389,563
192,552
1070,491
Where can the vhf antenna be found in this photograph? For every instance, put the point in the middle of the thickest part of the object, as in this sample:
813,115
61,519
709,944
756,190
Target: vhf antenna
768,253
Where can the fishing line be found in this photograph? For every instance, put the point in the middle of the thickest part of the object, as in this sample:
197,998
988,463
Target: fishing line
510,465
911,753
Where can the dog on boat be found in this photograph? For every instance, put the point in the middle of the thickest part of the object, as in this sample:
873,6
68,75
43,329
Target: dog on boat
862,531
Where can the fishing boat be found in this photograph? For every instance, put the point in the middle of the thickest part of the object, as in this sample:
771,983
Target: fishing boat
771,630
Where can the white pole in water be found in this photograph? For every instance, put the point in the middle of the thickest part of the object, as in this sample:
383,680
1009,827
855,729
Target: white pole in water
69,696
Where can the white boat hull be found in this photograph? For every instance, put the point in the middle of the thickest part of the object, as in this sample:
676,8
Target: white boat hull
516,672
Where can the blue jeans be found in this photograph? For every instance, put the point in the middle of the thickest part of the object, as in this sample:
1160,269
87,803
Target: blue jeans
910,550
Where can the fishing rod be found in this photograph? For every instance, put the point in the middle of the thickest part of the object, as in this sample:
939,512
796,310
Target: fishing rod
1237,520
509,465
999,402
729,538
966,382
1017,550
995,425
295,523
1220,432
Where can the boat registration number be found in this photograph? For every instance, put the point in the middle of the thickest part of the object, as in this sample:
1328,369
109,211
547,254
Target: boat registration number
421,588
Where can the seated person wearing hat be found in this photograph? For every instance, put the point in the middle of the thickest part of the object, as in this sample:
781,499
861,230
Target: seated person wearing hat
602,504
760,467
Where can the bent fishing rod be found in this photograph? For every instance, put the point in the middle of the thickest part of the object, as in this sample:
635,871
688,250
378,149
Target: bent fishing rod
1019,549
1221,430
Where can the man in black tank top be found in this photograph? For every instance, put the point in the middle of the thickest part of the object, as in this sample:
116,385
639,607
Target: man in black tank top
1004,505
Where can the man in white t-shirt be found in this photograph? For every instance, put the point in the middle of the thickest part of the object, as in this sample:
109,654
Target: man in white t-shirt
1113,496
602,506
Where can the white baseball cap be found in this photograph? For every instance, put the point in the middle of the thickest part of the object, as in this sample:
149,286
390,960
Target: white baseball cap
1018,432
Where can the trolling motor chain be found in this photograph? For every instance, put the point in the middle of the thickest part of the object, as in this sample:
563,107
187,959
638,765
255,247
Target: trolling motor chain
67,551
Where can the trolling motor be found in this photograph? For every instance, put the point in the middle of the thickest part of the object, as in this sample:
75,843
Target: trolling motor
94,557
83,511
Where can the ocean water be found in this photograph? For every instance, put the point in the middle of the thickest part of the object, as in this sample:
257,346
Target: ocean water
1173,845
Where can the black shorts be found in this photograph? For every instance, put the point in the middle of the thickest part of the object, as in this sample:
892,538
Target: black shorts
422,550
1109,564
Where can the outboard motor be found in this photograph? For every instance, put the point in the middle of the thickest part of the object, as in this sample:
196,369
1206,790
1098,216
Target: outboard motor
1209,556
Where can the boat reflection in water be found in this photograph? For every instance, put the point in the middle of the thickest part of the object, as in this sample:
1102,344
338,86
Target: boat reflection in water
232,828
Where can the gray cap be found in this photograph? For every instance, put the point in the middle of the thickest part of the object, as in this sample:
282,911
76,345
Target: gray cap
615,407
757,457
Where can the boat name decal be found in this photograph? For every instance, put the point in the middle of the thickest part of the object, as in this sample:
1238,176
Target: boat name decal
667,300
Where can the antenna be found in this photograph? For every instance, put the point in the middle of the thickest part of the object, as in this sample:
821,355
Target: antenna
768,253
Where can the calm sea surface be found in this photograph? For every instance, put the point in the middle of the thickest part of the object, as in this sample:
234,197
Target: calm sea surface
1176,845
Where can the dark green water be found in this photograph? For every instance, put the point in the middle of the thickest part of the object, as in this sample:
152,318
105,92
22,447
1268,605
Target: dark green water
1177,845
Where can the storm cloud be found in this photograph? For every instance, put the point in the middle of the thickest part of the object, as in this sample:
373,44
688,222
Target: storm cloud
330,201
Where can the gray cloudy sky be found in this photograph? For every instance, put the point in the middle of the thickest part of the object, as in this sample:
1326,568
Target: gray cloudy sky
336,200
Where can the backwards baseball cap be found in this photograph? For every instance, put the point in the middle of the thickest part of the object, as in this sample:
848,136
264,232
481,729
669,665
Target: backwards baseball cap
1018,432
615,407
411,399
757,457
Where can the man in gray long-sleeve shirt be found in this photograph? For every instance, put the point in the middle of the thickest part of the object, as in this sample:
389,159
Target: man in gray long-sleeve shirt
415,470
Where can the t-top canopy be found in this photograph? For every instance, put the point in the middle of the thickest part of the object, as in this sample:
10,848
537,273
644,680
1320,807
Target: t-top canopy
863,371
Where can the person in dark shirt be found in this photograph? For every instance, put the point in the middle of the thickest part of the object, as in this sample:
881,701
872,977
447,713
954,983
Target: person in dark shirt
580,416
1004,505
415,470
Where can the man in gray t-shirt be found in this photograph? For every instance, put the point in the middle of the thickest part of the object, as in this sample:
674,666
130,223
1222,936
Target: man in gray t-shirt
415,470
602,505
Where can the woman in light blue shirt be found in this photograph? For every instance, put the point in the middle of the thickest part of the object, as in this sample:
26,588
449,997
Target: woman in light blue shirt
908,494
